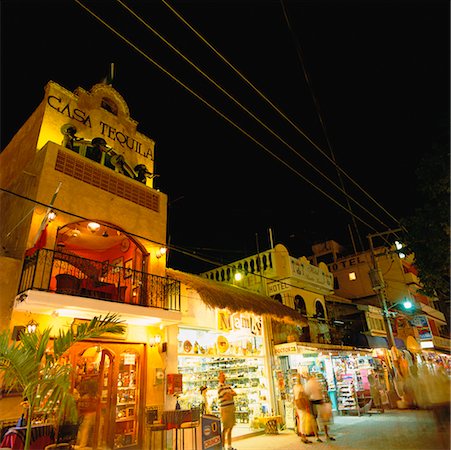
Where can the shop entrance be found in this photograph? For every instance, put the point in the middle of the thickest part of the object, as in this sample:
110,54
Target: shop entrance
107,385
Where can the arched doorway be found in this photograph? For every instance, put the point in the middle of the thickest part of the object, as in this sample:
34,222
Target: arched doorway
108,383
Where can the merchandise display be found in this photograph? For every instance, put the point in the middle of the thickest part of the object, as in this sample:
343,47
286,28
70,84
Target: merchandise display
204,354
127,401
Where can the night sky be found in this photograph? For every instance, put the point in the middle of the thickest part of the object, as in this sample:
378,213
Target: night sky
379,71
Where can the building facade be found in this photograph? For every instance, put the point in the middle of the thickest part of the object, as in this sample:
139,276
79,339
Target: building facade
83,234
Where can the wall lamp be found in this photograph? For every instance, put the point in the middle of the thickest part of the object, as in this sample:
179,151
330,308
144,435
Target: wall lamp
32,325
52,215
160,252
154,340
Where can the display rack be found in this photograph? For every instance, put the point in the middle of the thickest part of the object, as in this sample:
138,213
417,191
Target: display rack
347,399
245,374
126,433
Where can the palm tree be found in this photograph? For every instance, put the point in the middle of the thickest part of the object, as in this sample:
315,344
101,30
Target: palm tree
42,372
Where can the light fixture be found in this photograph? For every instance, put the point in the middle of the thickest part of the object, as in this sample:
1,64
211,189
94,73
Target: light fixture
161,251
75,233
32,325
105,234
238,276
52,215
93,226
154,340
399,246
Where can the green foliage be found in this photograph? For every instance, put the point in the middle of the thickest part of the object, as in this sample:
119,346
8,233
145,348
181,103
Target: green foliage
37,368
428,235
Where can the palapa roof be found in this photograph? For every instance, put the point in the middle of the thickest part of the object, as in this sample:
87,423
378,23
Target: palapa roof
226,296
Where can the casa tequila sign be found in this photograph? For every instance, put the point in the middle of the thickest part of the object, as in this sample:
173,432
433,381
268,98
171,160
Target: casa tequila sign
106,130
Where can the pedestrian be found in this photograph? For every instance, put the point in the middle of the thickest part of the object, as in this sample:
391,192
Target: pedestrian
204,406
302,405
321,406
227,409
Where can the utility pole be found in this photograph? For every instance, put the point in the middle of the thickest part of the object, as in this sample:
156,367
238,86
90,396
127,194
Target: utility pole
377,281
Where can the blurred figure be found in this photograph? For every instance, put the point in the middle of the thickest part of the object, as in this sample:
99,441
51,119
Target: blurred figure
321,406
302,405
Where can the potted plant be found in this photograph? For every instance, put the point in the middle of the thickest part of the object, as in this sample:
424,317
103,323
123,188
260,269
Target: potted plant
37,366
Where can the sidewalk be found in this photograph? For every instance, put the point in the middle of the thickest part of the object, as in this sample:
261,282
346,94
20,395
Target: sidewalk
392,430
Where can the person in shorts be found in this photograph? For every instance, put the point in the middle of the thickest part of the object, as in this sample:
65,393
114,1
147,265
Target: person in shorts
227,409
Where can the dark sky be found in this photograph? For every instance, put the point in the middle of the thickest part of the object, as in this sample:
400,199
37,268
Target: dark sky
379,71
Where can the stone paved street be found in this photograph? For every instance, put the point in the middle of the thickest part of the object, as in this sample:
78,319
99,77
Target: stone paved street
392,430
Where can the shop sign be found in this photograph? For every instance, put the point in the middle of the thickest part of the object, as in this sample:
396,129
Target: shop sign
289,348
174,383
422,326
211,432
441,342
240,322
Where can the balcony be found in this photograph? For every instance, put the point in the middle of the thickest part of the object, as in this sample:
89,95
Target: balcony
65,273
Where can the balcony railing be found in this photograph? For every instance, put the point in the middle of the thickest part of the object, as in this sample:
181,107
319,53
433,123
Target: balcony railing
67,273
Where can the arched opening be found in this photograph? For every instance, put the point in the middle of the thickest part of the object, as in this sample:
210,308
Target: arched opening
319,310
299,305
97,260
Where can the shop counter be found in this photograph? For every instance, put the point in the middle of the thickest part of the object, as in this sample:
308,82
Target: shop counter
270,423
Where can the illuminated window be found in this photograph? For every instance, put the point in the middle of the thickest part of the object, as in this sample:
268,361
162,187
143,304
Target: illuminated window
352,276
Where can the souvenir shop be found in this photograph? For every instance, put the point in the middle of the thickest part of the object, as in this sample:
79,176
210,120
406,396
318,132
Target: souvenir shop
236,347
349,376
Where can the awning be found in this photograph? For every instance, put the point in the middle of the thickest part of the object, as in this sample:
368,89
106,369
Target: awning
236,299
362,340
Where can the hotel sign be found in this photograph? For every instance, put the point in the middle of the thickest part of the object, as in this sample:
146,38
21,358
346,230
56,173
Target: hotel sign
277,287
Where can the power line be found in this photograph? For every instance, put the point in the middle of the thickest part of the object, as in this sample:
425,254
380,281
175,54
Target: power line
318,112
250,113
276,108
128,233
222,115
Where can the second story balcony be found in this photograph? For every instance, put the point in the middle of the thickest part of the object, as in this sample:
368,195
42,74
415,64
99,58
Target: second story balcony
59,272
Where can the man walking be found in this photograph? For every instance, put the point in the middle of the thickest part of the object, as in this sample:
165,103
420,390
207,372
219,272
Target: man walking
227,408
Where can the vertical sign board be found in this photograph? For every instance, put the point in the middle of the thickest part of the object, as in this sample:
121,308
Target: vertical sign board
174,383
422,325
211,432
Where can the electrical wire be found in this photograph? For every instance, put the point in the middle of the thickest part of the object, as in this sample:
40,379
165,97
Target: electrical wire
250,113
175,248
276,108
318,112
222,115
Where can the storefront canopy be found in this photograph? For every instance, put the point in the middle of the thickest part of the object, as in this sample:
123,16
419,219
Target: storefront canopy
236,299
377,342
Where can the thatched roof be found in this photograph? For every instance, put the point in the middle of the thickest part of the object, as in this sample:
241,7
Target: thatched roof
236,299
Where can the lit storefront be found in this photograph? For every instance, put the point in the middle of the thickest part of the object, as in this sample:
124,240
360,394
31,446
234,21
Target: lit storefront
224,328
351,375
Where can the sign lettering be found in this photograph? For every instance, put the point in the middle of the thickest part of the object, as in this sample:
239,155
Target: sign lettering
125,141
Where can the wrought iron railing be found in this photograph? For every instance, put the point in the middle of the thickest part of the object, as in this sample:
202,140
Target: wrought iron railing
66,273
